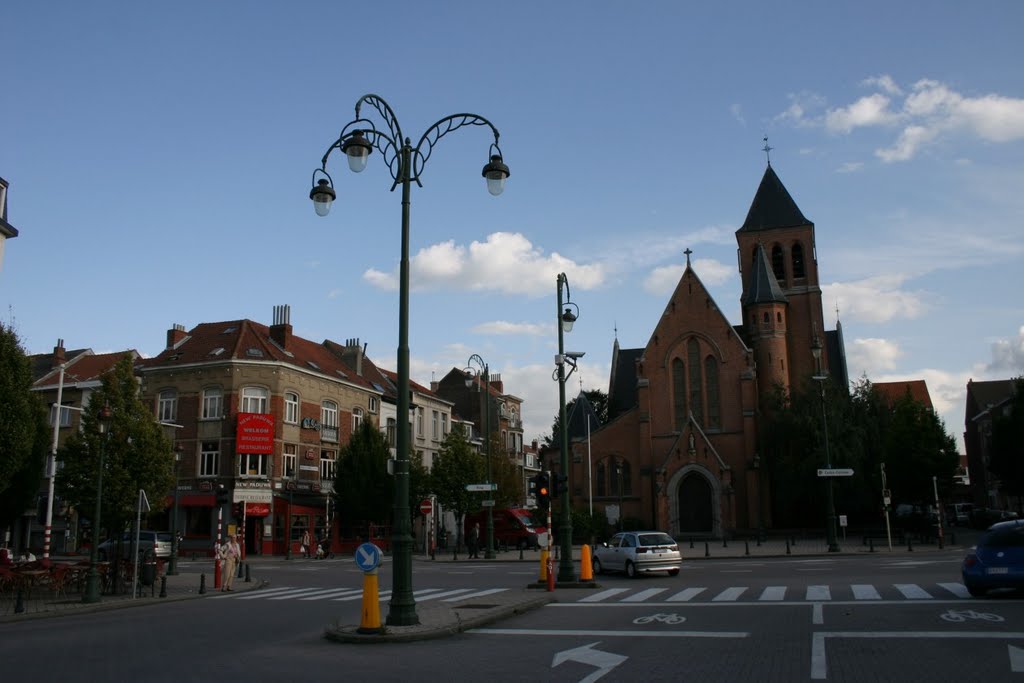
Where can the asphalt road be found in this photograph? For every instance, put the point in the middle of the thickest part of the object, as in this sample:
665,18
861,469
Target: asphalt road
847,618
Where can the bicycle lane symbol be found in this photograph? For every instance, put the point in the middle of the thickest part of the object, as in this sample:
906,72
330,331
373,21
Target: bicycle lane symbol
960,616
663,618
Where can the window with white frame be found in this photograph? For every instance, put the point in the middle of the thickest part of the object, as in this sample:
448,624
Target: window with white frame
167,406
327,463
357,419
329,414
254,400
289,458
436,425
291,407
213,403
252,464
209,459
373,405
392,431
444,425
419,422
65,415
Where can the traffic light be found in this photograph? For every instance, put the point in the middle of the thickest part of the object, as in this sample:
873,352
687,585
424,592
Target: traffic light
543,491
531,487
560,485
222,495
237,510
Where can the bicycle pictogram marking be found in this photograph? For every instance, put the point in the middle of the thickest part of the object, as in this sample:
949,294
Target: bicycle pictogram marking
959,616
663,618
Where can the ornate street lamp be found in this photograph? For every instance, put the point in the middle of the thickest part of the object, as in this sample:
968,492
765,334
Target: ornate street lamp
358,139
471,374
566,318
830,512
172,566
92,582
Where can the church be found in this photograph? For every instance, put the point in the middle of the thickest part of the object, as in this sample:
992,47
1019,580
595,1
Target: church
679,451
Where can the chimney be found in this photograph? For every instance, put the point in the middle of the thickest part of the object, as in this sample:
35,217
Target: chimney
175,335
281,330
353,355
496,383
434,385
58,354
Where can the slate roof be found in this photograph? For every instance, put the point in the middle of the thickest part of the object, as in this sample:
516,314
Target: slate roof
981,395
582,412
85,368
622,392
773,207
764,288
893,391
42,363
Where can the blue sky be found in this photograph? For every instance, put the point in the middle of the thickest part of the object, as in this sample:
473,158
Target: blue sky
160,156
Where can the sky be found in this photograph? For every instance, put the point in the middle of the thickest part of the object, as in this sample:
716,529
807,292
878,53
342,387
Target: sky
160,157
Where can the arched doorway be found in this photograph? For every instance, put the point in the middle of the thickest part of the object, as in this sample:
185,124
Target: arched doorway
694,500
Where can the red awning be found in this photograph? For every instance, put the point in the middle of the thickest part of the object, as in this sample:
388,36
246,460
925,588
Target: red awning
192,500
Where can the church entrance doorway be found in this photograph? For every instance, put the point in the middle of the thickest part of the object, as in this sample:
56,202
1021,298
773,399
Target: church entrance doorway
695,505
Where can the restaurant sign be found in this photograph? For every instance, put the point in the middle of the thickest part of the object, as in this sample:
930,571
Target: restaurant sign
255,433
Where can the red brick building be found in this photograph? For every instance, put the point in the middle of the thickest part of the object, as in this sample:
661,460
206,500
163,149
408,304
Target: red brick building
680,449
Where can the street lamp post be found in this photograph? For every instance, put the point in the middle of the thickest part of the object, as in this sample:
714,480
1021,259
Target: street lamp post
566,318
92,581
172,566
830,512
486,374
405,162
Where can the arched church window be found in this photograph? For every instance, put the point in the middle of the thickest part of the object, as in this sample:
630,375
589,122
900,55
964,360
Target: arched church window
696,400
798,261
714,405
679,393
601,480
778,263
778,317
767,318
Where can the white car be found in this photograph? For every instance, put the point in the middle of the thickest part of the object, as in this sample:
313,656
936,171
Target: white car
635,552
157,542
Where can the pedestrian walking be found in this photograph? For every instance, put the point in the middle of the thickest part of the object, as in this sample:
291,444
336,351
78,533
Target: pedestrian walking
305,544
474,541
232,553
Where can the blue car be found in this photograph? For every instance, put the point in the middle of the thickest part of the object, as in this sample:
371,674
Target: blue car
997,561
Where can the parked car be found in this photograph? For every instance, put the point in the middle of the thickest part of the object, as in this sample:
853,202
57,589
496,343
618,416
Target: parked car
983,518
158,542
513,528
636,552
997,561
958,514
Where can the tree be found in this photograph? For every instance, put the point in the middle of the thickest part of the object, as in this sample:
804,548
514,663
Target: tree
136,453
506,475
24,434
363,489
598,400
458,464
1007,461
917,448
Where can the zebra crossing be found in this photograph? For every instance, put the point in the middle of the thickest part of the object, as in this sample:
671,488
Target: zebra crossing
352,594
812,593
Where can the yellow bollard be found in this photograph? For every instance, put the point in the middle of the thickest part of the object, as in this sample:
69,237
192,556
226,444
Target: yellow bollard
543,567
370,622
586,565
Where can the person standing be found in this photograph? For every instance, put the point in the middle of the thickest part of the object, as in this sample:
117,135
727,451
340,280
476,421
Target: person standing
232,553
305,543
474,541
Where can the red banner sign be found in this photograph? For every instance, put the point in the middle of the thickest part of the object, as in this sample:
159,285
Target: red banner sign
257,509
255,433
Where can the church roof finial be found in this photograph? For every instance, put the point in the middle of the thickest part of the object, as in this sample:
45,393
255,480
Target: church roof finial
688,251
767,150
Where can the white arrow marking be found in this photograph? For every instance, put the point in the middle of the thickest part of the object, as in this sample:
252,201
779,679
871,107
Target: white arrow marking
585,654
1016,658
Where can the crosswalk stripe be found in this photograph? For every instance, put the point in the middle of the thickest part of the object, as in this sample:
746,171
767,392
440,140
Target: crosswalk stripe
862,591
686,595
913,591
478,594
445,594
643,595
332,593
730,594
957,589
598,597
773,593
296,594
818,593
261,594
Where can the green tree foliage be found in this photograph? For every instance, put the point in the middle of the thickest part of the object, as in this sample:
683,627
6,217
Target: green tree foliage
508,477
458,464
1007,461
916,448
363,489
137,454
24,434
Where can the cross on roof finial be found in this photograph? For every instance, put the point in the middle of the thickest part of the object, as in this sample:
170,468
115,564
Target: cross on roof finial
767,150
688,251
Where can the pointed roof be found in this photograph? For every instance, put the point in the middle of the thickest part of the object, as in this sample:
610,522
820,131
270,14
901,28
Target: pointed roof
916,389
764,288
579,417
772,207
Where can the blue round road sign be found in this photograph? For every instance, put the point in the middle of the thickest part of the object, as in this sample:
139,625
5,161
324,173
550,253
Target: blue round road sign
368,557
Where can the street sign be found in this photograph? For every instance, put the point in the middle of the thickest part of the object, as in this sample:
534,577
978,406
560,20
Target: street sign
481,487
487,503
836,472
426,507
368,557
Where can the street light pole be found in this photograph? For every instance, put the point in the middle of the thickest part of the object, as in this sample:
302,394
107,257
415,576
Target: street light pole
405,162
51,468
830,513
92,581
172,567
485,370
565,320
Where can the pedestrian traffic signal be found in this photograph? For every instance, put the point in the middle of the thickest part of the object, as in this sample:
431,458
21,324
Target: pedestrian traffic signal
560,485
222,495
543,491
531,487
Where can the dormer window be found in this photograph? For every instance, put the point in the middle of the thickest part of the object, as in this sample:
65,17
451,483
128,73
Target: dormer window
253,352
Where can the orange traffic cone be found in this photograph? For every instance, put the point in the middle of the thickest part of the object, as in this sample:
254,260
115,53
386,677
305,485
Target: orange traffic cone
586,565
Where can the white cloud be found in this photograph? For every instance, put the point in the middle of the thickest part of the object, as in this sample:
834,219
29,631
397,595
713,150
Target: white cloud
1008,356
335,293
872,110
504,327
884,83
505,262
737,113
851,167
663,280
875,299
871,356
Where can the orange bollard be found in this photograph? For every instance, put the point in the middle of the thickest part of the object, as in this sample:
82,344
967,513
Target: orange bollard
551,573
370,622
543,567
586,565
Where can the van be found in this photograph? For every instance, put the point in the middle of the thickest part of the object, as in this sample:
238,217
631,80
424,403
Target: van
156,542
513,528
959,513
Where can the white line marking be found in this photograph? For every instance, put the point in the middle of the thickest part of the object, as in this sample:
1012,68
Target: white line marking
628,634
445,594
686,595
957,589
912,591
863,591
817,614
643,595
296,594
817,593
730,594
260,595
773,593
327,595
478,594
598,597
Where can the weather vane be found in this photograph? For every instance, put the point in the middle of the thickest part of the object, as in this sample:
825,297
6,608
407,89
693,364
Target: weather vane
767,150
